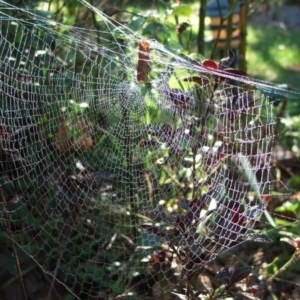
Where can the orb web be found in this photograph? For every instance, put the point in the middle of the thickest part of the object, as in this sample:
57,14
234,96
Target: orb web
119,156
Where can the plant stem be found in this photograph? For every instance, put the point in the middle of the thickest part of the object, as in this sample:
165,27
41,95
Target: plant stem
229,27
244,6
194,173
213,50
223,19
202,14
296,256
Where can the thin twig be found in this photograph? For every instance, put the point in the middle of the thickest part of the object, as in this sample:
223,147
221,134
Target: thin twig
244,6
295,256
150,188
229,28
223,19
61,251
288,281
194,174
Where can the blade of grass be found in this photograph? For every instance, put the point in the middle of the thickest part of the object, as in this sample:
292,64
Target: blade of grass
251,178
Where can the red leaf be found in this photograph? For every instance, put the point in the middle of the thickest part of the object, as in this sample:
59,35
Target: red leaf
208,63
238,218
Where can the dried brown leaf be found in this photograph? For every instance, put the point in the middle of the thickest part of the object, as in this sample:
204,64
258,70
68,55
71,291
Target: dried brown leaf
65,142
143,66
180,28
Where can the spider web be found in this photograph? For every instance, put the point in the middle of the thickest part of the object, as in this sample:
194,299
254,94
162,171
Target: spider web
103,176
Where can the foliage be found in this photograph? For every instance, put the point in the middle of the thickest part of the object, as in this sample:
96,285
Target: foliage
274,58
56,205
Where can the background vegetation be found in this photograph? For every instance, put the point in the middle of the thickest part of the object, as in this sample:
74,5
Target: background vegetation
271,55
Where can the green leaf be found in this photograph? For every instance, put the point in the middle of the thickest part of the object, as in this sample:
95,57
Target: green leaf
182,10
290,206
136,24
157,31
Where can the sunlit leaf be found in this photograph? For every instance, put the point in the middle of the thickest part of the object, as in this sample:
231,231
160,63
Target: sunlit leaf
182,10
288,206
208,63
